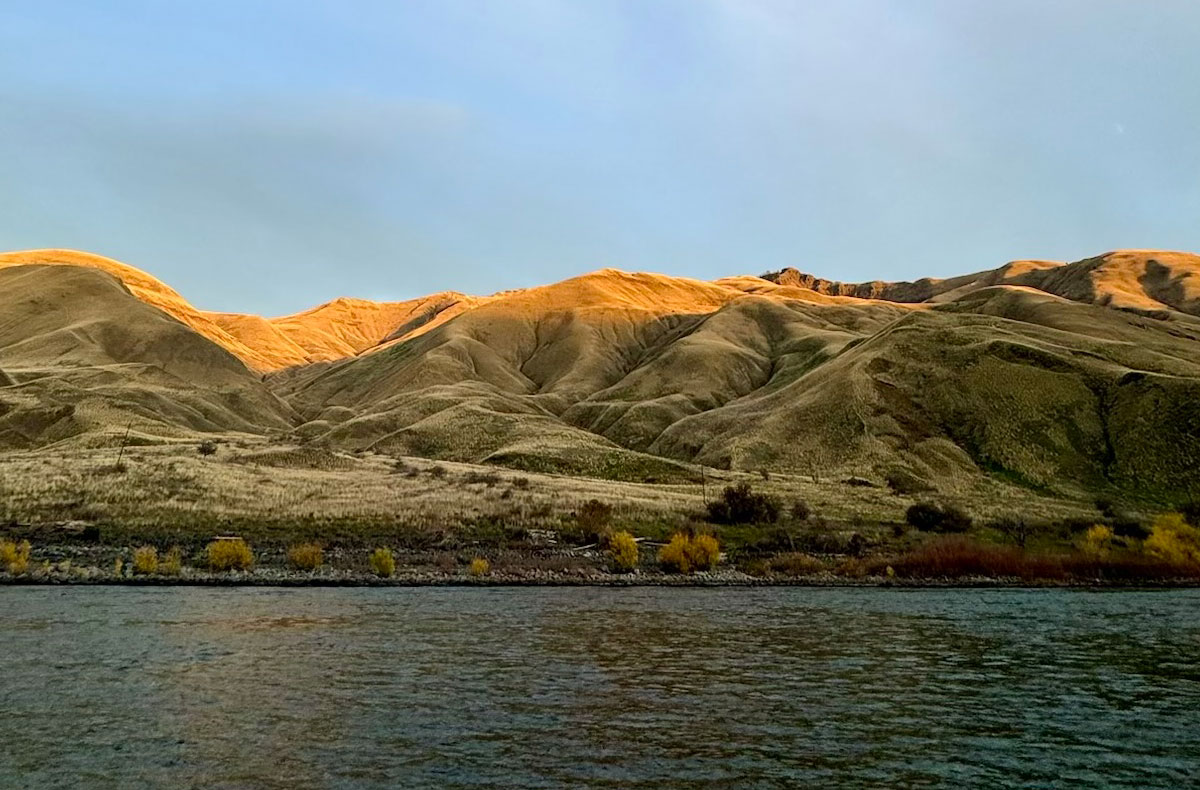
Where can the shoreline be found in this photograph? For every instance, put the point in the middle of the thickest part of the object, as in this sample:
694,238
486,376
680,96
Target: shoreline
720,579
96,564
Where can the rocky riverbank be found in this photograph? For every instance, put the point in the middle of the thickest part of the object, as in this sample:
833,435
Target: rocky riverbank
98,564
424,577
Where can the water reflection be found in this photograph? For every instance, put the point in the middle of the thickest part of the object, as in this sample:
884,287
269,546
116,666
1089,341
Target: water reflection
598,688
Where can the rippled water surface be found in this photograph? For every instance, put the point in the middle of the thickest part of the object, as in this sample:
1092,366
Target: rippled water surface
579,687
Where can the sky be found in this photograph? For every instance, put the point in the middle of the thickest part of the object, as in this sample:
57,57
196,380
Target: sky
264,156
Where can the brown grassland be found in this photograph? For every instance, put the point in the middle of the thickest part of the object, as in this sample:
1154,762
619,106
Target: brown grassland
450,518
170,493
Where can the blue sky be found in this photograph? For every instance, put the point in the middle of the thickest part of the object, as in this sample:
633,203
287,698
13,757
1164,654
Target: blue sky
267,156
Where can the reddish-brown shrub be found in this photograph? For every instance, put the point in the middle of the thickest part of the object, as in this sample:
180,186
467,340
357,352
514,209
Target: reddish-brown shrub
1127,567
956,556
951,557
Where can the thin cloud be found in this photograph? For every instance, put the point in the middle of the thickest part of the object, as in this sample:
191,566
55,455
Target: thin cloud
269,156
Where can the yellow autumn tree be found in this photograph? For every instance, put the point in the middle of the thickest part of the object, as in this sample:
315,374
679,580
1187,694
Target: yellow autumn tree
1174,540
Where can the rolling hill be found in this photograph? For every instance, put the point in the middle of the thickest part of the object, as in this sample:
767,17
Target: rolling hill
86,359
1065,379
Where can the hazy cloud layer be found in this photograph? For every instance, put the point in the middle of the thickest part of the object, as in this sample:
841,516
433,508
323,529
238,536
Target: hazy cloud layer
265,156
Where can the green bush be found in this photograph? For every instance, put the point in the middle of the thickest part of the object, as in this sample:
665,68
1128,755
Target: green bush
1129,527
924,516
1015,529
955,519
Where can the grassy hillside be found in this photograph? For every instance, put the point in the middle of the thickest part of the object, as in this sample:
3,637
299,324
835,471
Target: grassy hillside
1044,380
85,361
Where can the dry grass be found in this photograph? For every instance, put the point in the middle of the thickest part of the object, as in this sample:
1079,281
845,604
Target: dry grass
526,563
169,491
956,556
171,487
792,563
172,563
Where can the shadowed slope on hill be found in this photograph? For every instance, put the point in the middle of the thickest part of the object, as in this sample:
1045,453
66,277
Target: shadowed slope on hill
1006,381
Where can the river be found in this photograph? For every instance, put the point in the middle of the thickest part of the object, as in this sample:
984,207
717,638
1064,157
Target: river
115,687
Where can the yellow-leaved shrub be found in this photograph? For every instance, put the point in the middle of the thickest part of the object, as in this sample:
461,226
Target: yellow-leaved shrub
230,554
622,552
14,557
382,563
480,567
704,552
1174,540
687,553
673,557
145,560
1097,541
